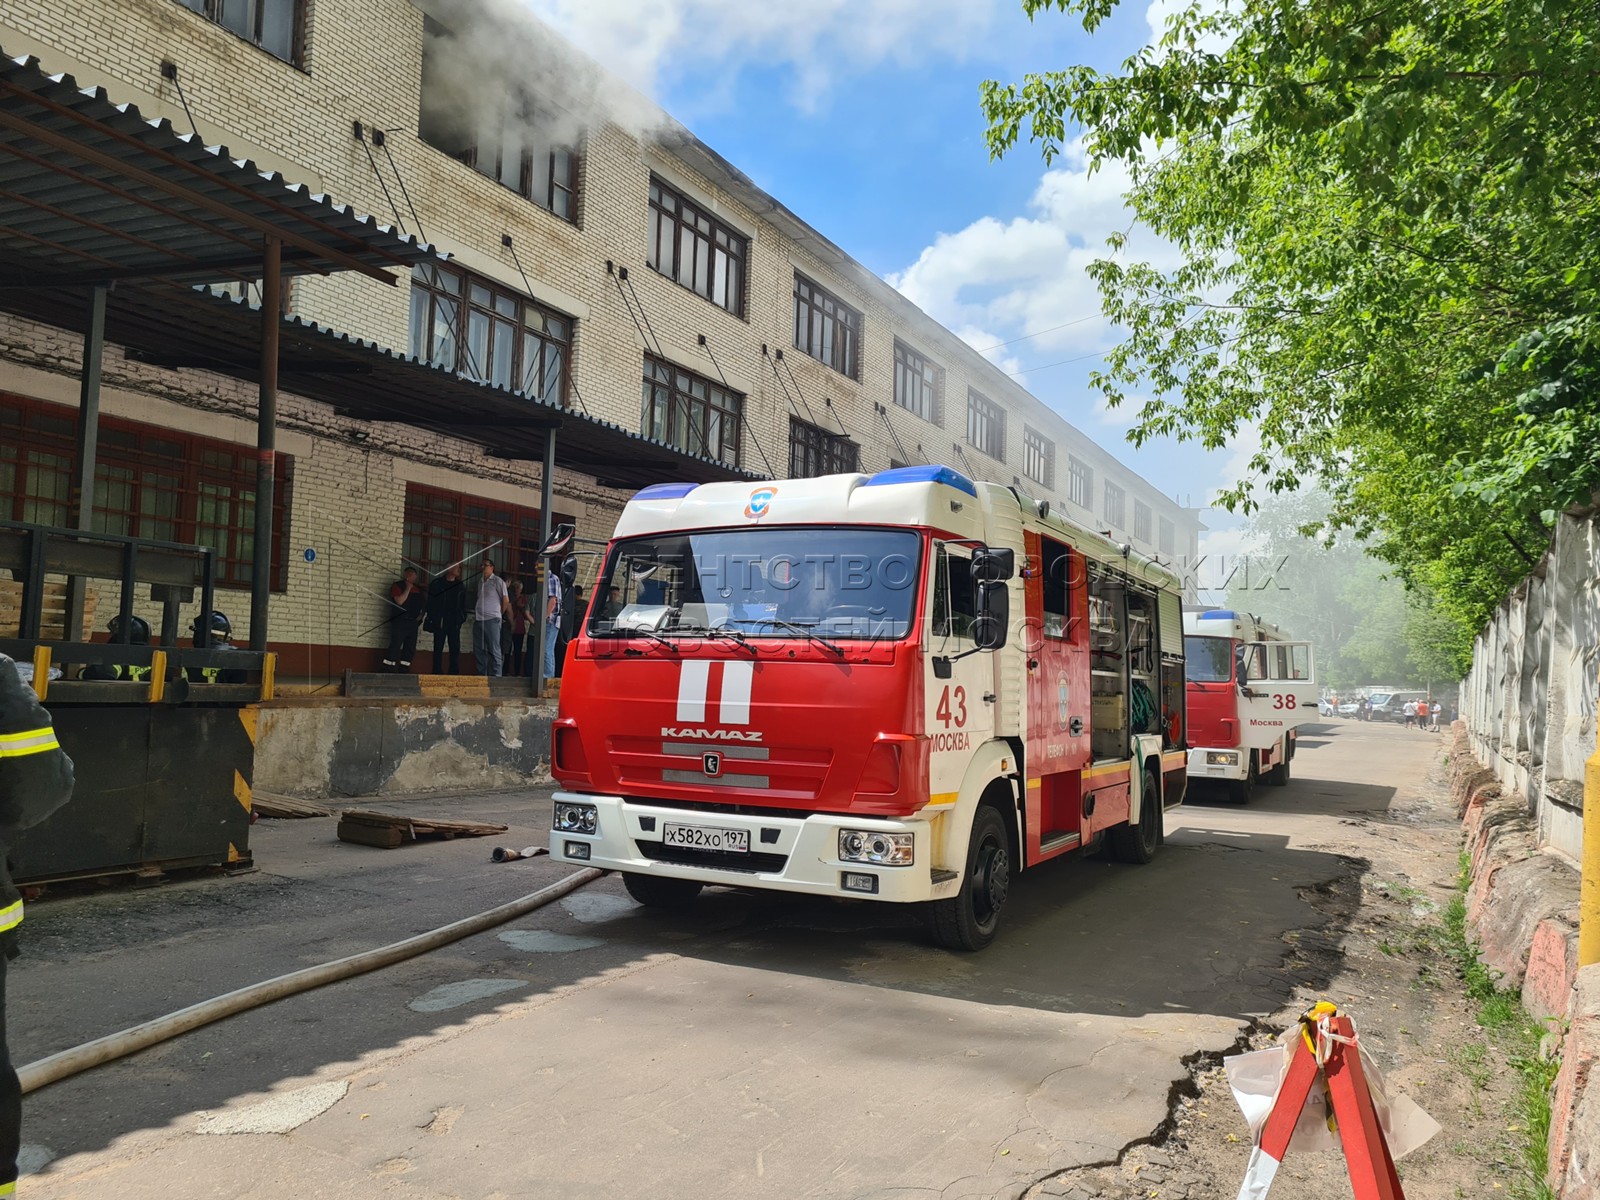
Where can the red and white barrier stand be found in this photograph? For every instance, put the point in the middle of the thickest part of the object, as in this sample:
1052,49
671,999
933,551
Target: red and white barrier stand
1318,1091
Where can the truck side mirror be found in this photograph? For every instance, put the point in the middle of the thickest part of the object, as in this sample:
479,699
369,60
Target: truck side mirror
993,621
990,565
1241,665
568,571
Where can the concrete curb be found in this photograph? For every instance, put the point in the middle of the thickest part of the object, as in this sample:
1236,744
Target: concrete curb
1522,908
1575,1107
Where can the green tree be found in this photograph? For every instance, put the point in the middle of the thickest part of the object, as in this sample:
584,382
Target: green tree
1389,224
1327,590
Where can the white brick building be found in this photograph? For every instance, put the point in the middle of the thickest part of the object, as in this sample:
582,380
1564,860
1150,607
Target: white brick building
716,273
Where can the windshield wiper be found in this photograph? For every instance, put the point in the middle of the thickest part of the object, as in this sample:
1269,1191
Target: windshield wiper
623,631
714,631
804,632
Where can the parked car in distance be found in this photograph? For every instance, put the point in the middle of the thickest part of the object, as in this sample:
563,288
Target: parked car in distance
1327,708
1350,708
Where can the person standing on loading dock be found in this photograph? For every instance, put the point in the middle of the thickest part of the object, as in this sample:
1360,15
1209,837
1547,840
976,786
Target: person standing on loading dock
493,606
35,780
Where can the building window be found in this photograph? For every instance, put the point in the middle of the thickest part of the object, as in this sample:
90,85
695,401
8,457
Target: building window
509,136
986,425
691,412
1080,482
918,384
1141,521
149,482
1116,506
1168,537
693,248
486,332
1038,457
443,527
826,328
814,451
274,25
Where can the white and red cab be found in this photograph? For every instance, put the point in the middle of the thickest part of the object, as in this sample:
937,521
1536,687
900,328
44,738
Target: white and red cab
1250,688
902,687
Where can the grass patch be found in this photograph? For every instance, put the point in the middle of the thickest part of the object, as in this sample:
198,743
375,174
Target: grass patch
1517,1038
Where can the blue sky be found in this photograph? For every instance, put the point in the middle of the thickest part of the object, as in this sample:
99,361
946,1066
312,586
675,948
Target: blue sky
862,116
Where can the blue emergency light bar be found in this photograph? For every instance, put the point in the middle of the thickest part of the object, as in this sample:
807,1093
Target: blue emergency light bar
666,491
927,474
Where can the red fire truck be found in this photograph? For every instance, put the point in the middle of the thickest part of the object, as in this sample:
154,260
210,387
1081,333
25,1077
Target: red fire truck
903,687
1250,687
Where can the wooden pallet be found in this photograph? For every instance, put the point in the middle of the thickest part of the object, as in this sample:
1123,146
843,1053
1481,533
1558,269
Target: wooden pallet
54,615
368,827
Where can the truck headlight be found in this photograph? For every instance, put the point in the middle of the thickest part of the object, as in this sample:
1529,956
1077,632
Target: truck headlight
869,846
576,818
1225,758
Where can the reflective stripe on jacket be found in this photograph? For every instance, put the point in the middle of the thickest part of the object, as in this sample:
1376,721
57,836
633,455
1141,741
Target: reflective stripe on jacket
29,741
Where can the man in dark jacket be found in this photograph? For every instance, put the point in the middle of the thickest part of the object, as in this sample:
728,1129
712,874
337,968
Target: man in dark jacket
408,601
35,780
446,613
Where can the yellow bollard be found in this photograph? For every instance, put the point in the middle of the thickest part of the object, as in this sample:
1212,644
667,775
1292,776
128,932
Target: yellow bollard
1589,896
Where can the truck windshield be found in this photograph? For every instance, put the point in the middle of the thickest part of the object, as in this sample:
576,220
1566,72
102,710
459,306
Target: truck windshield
1208,659
841,584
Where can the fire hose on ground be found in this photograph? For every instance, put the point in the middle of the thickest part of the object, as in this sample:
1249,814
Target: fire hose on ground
113,1046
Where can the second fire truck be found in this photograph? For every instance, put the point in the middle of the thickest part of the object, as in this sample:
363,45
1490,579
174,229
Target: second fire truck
903,687
1250,687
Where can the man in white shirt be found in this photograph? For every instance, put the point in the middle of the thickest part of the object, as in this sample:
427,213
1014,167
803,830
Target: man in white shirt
493,606
552,618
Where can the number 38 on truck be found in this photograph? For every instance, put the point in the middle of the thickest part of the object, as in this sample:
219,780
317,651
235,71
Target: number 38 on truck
905,687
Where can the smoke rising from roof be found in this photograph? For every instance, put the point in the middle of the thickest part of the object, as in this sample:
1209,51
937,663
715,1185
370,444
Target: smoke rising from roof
492,68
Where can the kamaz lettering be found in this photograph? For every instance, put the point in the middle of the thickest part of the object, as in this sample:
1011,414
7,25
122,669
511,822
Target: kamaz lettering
712,735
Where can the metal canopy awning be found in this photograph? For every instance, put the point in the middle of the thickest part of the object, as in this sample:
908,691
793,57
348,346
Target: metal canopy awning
92,192
194,328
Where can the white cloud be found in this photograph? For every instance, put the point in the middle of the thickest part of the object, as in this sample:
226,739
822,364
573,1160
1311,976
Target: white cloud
1028,275
647,43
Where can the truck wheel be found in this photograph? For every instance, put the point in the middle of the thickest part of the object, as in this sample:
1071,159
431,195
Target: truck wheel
656,891
970,919
1137,843
1240,790
1279,775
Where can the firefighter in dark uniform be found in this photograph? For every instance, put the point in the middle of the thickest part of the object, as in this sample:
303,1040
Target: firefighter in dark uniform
35,780
221,639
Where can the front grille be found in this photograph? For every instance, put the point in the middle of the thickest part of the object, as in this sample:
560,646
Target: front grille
748,863
743,810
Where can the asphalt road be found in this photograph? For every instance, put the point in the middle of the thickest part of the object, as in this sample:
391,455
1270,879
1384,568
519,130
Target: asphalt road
757,1046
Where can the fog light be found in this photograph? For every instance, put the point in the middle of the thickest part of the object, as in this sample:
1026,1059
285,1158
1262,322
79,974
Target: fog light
870,846
858,881
576,818
1222,758
577,850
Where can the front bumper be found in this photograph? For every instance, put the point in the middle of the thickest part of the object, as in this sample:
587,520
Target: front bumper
1199,768
787,854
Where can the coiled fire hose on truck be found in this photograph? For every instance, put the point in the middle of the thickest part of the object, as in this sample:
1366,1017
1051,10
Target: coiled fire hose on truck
140,1037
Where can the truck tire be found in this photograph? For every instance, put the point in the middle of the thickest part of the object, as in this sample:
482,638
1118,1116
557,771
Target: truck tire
1137,844
1279,775
1240,790
970,919
656,891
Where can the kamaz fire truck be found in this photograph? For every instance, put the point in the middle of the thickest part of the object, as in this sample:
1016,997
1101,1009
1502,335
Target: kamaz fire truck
902,687
1250,687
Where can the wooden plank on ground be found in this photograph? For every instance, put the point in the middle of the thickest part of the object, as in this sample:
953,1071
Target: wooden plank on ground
372,828
385,837
270,804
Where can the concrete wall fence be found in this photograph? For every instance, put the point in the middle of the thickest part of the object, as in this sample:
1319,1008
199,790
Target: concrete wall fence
1528,709
1529,701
